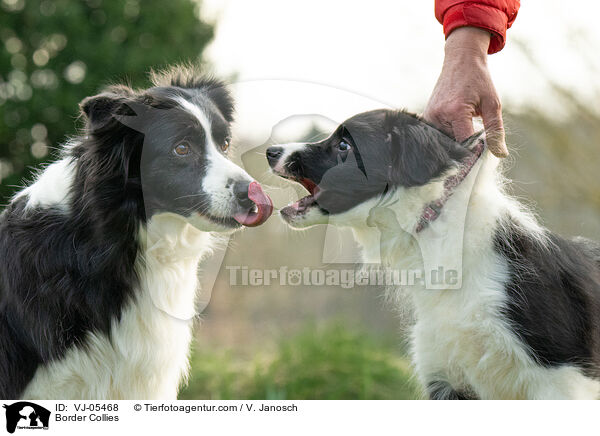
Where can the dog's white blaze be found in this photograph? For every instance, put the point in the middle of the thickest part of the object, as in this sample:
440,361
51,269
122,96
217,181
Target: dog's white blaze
52,186
145,356
220,170
287,150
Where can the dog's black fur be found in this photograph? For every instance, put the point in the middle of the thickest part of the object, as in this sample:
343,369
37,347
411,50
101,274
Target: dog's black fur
441,390
64,274
553,290
554,297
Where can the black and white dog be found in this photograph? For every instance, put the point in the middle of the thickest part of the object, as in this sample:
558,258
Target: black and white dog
525,323
102,250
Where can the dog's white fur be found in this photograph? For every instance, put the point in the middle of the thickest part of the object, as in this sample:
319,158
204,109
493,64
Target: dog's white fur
146,353
459,336
52,187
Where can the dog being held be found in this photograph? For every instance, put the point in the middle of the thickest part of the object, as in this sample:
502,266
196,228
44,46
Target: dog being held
102,250
525,322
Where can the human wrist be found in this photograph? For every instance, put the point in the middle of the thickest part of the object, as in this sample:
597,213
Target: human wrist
468,41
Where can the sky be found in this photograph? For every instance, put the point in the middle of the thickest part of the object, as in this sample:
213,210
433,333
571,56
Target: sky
337,58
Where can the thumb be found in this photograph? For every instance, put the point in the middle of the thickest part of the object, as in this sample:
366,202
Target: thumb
462,128
494,130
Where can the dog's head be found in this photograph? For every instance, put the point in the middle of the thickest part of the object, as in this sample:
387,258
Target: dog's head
169,143
369,156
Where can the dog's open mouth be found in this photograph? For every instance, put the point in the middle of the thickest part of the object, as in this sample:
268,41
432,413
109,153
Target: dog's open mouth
262,209
302,206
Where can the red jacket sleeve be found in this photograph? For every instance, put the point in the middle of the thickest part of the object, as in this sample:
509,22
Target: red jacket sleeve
493,15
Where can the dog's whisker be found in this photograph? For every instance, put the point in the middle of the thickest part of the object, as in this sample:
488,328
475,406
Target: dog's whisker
189,196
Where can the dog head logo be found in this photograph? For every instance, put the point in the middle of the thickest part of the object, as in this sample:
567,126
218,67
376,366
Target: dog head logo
26,415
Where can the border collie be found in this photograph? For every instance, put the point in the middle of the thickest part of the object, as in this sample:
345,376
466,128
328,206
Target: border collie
99,256
524,323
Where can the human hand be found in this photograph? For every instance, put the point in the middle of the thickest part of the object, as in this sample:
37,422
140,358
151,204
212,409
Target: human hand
465,90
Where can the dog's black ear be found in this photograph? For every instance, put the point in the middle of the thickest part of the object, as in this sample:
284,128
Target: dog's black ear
420,153
100,109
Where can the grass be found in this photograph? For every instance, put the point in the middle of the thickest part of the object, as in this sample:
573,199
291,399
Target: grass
328,363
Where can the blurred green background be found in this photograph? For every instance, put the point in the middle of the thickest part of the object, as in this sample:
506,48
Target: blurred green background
278,342
56,52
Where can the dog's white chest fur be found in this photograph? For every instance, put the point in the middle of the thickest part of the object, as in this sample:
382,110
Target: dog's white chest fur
461,338
146,354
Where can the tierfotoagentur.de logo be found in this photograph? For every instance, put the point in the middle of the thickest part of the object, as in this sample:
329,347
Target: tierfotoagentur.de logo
26,415
345,278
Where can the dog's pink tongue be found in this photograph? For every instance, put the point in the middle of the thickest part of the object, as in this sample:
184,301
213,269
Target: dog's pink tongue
264,207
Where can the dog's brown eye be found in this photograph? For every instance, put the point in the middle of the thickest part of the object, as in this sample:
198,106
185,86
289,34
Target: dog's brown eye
225,145
182,149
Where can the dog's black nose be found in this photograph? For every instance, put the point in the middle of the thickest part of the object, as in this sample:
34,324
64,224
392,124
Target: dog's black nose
240,190
273,155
